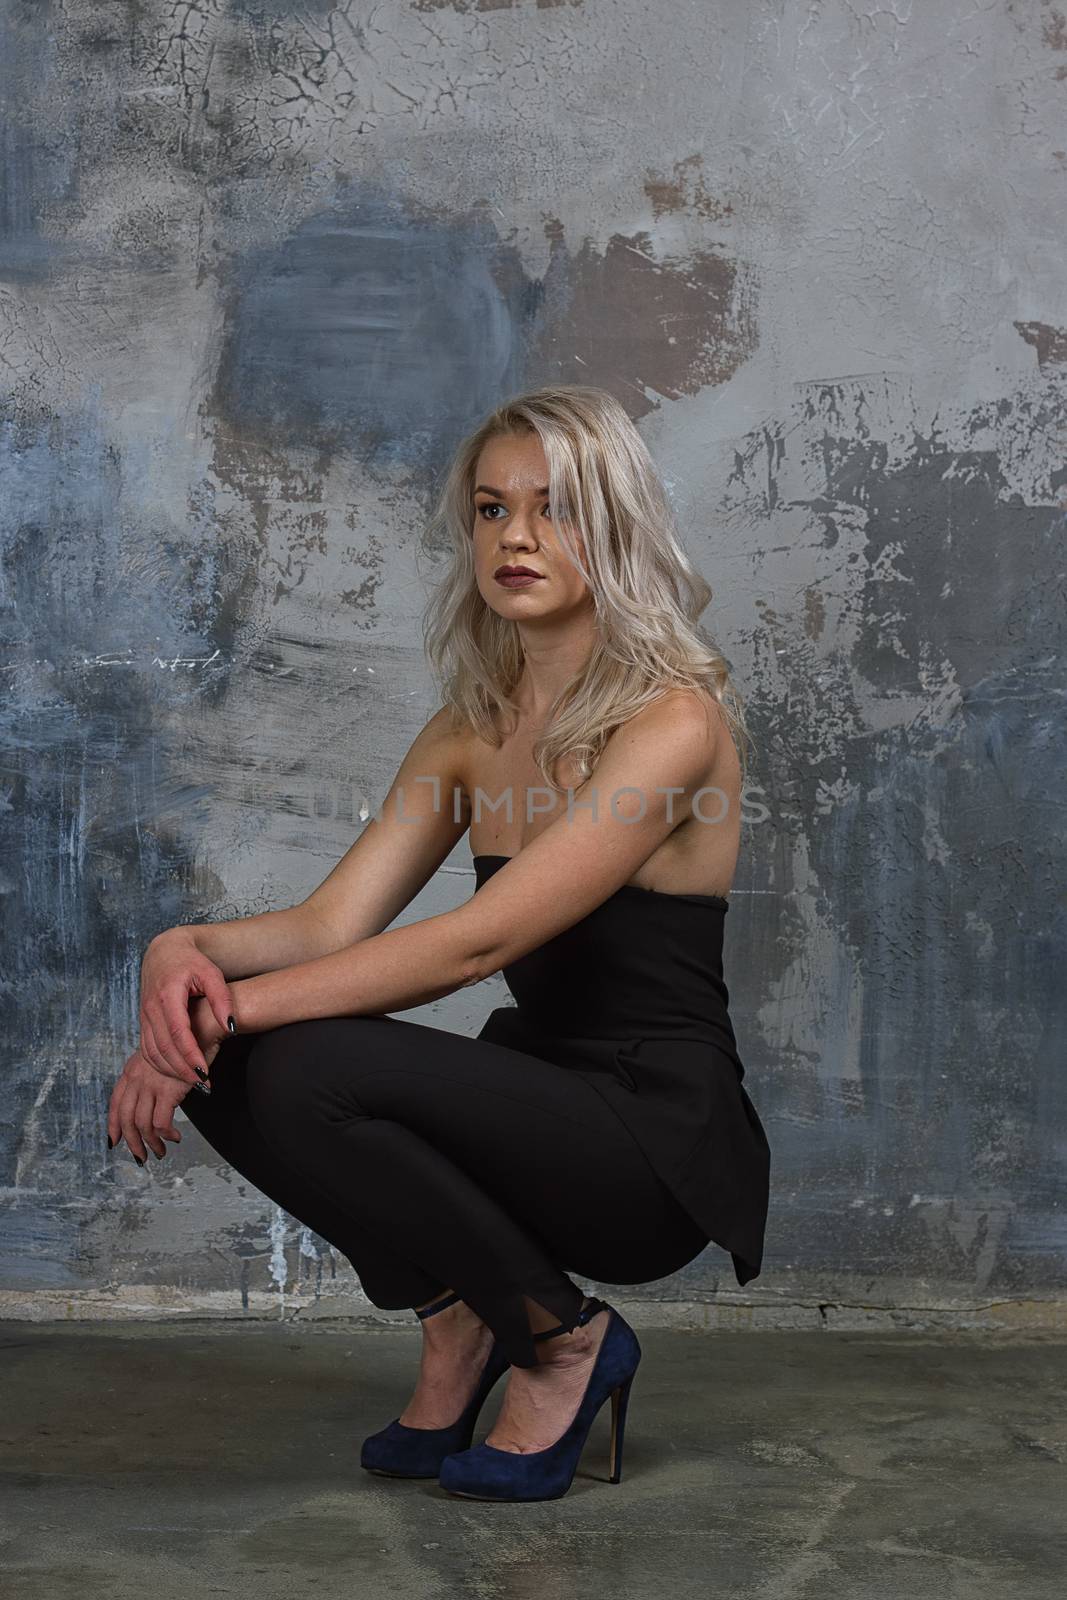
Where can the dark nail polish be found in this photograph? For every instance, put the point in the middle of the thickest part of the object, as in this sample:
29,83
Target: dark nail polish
201,1074
205,1088
138,1160
231,1024
109,1144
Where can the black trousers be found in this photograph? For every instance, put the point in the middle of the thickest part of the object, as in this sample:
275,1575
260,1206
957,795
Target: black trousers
436,1161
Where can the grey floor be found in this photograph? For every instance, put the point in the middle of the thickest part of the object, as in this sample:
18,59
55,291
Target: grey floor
223,1459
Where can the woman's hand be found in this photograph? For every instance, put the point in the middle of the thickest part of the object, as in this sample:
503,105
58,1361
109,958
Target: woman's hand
143,1100
175,976
205,1028
142,1108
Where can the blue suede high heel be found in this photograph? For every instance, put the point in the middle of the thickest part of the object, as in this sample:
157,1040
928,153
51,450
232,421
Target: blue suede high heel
398,1451
486,1473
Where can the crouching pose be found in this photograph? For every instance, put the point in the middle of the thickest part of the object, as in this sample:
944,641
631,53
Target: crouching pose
590,742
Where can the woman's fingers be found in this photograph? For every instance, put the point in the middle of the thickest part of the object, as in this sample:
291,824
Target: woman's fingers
163,1116
162,1052
149,1048
141,1110
175,1005
172,1047
216,991
143,1119
114,1111
125,1112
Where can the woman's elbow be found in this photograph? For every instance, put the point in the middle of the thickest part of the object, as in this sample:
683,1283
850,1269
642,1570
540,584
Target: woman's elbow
480,951
480,965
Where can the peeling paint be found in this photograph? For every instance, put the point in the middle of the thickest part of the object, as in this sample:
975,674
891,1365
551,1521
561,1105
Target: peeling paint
1050,343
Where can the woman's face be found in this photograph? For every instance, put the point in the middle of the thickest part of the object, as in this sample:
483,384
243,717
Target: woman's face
513,527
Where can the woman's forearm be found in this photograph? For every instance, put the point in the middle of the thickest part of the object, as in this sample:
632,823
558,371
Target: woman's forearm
261,943
389,971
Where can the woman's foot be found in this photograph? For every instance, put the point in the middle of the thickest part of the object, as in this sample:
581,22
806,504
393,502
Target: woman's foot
455,1347
541,1402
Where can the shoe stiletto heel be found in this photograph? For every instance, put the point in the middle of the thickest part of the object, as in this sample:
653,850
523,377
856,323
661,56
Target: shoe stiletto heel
620,1399
486,1473
400,1451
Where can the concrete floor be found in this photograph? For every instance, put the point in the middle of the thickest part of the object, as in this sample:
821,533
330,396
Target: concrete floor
218,1458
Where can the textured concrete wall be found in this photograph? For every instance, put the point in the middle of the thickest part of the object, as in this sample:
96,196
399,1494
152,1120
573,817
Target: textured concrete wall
260,266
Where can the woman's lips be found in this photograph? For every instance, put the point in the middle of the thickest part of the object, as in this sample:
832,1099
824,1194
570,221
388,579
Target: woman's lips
517,580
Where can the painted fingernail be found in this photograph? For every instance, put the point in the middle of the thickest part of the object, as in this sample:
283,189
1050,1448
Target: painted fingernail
231,1024
205,1088
109,1144
201,1074
138,1160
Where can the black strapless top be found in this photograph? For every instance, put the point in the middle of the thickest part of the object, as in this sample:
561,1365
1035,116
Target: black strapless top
633,998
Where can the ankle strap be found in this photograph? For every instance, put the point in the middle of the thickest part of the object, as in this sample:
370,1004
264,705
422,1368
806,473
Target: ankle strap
439,1305
586,1313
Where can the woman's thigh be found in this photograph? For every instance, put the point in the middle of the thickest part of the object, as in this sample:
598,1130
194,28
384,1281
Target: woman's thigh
537,1137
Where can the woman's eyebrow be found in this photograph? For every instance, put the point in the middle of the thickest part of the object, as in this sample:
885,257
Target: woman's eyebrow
485,488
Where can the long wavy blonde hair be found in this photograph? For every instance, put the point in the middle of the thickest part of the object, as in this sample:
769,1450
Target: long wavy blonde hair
647,593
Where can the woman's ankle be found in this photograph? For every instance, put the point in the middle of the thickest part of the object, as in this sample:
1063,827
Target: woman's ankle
569,1346
458,1321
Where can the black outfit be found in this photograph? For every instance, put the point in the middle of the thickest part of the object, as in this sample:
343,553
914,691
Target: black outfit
597,1128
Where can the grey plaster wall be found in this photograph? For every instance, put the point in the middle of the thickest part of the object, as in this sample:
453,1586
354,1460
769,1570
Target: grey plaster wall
260,266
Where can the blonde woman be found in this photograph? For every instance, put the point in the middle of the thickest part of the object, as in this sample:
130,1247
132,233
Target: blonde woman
592,744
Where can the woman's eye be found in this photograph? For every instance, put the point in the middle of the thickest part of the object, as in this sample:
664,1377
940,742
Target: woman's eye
484,509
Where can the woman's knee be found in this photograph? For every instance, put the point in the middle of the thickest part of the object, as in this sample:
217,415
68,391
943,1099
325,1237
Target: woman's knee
282,1084
309,1070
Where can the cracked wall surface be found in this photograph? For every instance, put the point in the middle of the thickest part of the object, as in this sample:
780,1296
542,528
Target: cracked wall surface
261,266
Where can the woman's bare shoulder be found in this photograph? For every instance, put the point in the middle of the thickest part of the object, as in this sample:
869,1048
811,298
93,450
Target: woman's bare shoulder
445,728
680,708
446,740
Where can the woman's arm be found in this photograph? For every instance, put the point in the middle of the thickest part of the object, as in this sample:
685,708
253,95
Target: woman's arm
423,816
261,943
571,868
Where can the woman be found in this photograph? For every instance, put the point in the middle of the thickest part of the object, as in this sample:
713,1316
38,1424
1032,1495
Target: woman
587,741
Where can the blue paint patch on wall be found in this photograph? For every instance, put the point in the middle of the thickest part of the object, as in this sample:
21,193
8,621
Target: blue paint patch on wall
373,329
38,143
99,808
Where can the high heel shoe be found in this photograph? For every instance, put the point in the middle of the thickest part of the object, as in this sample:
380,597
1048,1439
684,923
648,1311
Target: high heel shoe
399,1451
486,1473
